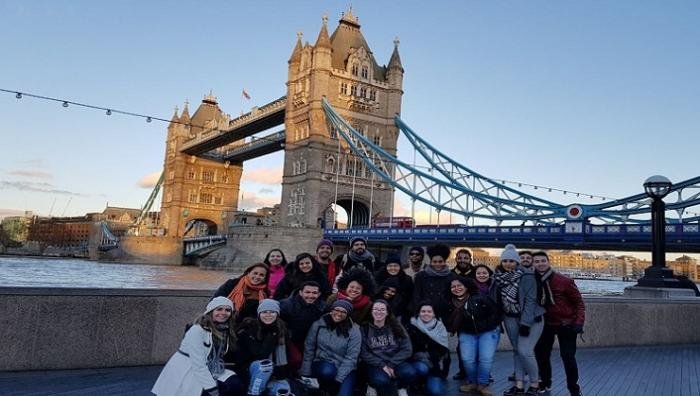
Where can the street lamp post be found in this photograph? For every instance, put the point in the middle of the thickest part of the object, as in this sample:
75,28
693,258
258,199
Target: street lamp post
658,275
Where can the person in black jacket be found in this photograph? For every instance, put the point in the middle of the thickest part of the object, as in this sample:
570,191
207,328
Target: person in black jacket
431,356
430,283
393,270
246,291
357,257
299,311
305,268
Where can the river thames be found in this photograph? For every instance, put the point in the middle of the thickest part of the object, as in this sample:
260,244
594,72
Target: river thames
58,272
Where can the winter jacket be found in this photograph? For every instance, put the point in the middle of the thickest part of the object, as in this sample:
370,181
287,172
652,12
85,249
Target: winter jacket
530,309
381,348
250,307
250,348
295,278
277,272
360,316
568,308
186,373
426,350
331,271
299,315
468,273
405,284
431,288
346,263
324,343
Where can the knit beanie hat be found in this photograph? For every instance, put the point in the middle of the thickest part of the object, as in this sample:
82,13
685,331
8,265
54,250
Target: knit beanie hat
269,304
417,249
325,242
358,238
217,302
510,253
393,258
345,304
391,282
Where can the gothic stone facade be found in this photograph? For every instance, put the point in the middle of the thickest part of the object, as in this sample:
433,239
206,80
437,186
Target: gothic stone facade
343,69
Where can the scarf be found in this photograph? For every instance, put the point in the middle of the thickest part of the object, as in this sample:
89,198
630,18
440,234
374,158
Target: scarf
433,329
433,273
509,282
358,303
244,290
485,287
215,360
360,258
544,292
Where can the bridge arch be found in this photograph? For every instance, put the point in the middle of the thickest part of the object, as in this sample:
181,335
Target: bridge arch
200,227
358,213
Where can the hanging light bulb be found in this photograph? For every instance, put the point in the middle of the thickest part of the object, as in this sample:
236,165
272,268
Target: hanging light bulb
520,184
18,95
109,112
148,119
65,104
550,190
564,192
578,195
535,187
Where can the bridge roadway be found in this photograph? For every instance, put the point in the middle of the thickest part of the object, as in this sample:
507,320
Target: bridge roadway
684,238
623,371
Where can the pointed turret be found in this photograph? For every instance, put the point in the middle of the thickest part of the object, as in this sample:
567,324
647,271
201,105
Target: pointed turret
175,119
395,61
323,41
210,99
185,116
296,54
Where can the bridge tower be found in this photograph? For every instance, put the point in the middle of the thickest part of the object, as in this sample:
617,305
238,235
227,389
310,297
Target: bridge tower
198,194
319,169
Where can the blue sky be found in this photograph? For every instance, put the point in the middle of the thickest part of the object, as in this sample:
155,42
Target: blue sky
588,96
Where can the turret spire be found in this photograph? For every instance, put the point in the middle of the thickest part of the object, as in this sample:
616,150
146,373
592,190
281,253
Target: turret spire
323,40
296,54
395,61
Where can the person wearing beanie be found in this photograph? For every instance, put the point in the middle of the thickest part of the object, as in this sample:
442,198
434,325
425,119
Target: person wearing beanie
357,257
386,350
523,319
299,311
303,269
416,254
260,358
431,283
324,250
246,290
198,367
404,285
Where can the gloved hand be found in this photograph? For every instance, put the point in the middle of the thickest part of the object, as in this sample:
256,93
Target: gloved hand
212,391
524,331
578,329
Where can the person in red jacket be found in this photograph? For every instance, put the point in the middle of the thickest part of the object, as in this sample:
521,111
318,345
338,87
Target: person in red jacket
564,319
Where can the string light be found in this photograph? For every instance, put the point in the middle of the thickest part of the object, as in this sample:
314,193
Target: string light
18,95
65,104
108,112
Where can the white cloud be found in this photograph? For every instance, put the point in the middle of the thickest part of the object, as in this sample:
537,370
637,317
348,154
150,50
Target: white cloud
251,201
31,173
263,175
40,187
149,181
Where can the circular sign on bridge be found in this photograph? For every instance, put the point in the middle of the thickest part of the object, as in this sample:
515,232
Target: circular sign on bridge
574,211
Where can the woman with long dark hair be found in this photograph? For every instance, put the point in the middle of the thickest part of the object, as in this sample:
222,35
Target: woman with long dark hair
305,268
277,264
431,356
198,368
246,291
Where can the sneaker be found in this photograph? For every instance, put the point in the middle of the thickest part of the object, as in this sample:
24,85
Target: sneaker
491,380
459,376
531,391
577,393
402,392
544,389
485,390
467,388
514,391
371,391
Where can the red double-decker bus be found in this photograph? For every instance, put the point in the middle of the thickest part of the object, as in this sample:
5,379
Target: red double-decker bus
393,222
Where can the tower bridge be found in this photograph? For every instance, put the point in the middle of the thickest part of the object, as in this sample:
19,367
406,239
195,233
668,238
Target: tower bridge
338,125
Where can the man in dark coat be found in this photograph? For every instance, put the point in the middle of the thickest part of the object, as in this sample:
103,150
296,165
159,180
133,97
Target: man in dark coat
563,319
358,256
464,266
431,283
299,311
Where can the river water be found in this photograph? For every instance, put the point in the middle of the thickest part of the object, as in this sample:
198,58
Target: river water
55,272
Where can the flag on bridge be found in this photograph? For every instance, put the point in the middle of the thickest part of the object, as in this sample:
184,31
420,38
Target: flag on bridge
245,94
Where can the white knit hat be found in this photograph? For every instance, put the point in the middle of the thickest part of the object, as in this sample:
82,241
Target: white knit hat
510,253
217,302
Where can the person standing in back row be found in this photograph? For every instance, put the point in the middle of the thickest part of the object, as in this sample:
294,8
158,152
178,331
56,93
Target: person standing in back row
357,257
564,319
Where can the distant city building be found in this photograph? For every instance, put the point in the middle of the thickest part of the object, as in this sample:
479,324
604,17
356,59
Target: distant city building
61,232
685,265
16,228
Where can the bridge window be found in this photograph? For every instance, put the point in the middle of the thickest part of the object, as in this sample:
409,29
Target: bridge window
190,173
354,70
217,200
365,71
171,175
330,165
363,92
193,196
373,95
224,178
377,140
208,176
333,132
344,88
353,90
205,198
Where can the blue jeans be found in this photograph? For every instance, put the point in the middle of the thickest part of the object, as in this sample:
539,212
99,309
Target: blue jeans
434,386
483,346
326,371
386,386
260,373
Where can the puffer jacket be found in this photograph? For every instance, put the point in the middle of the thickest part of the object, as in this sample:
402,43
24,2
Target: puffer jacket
324,343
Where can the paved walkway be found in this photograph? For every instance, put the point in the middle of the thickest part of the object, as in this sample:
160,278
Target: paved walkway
639,371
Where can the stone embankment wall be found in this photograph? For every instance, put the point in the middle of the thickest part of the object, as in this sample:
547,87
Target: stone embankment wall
86,328
144,250
248,245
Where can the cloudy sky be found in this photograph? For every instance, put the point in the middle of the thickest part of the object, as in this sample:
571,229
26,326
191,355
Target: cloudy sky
588,96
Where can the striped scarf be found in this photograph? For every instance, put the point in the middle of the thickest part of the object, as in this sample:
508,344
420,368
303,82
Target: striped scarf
509,282
544,293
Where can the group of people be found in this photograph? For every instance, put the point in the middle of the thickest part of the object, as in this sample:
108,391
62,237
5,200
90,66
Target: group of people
354,325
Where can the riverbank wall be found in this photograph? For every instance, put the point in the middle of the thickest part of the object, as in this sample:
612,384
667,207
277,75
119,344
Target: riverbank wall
56,328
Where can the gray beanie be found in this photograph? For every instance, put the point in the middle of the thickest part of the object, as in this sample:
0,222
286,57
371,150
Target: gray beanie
269,304
345,304
510,253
